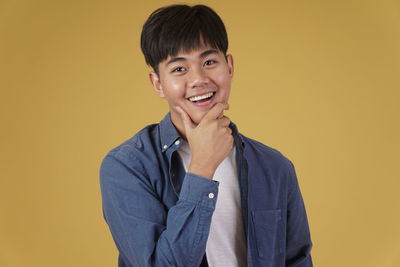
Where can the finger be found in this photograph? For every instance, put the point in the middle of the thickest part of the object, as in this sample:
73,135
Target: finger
222,113
216,111
224,121
228,130
187,121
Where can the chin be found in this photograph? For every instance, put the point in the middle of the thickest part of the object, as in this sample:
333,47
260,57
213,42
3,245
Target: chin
198,117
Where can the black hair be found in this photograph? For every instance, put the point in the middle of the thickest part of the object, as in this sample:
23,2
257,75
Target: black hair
172,29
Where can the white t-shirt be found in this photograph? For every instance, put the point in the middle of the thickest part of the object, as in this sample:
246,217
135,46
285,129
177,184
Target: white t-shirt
226,245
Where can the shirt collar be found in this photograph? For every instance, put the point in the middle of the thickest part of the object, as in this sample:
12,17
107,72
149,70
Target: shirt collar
236,135
168,132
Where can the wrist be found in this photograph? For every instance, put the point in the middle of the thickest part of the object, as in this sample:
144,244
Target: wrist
207,172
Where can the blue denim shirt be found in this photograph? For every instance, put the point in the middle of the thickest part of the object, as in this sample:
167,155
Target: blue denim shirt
159,215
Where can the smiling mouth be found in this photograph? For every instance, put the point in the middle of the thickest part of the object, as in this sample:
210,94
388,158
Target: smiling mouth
201,98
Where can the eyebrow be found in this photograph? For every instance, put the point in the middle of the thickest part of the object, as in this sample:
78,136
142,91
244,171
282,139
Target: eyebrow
202,55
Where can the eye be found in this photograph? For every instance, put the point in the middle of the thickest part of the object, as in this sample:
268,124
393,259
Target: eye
209,62
178,69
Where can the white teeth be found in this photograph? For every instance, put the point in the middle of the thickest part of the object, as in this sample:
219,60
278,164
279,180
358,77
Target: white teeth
200,97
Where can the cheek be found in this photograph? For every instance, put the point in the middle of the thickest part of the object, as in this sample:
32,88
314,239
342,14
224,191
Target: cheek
174,90
224,83
223,77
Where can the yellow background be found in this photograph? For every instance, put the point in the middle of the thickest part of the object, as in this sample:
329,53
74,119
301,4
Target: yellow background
318,80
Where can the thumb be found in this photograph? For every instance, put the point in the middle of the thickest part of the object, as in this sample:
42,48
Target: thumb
187,121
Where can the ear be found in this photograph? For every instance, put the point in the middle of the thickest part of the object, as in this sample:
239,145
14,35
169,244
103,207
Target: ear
156,83
229,60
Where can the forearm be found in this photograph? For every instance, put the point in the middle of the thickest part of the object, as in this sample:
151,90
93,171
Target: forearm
147,234
188,223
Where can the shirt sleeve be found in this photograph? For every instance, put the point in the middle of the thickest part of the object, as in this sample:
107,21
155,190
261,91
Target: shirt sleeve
298,242
145,232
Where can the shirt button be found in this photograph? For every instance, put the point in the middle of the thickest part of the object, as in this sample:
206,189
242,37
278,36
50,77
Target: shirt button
177,142
165,146
211,195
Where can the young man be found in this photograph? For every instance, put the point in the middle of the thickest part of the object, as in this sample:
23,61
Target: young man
191,190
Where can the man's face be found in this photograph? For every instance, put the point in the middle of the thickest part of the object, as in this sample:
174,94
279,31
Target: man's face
194,81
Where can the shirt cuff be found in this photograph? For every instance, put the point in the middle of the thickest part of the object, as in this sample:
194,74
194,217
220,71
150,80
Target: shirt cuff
199,190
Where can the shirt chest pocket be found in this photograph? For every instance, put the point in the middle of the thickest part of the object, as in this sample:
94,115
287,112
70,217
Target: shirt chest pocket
267,231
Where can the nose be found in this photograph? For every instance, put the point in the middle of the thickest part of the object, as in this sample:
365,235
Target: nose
198,78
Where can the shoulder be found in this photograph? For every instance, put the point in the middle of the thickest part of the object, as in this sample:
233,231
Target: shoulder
268,165
263,155
130,164
143,144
